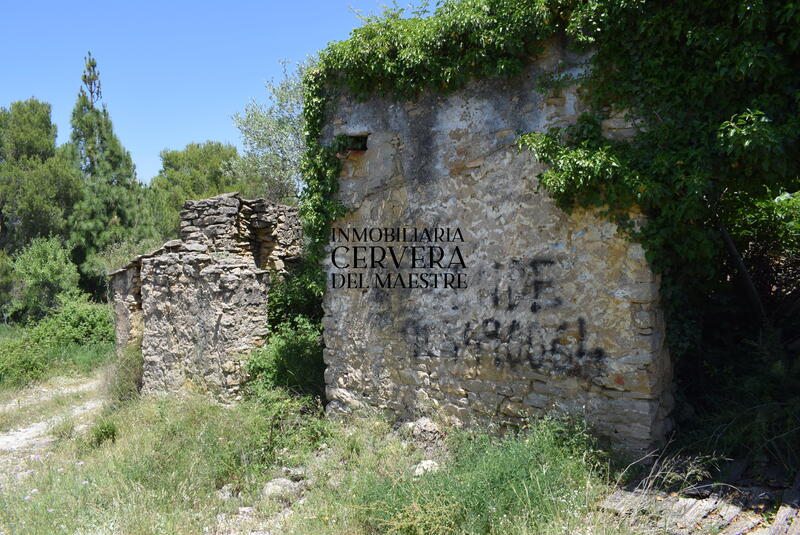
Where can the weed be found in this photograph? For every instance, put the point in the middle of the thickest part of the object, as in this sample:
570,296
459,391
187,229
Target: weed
103,431
123,378
548,474
76,338
162,473
291,359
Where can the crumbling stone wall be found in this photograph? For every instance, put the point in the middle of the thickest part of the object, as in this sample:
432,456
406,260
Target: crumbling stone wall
199,303
125,289
558,311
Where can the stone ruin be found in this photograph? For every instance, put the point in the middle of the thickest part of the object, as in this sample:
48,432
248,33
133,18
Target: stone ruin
456,286
199,303
545,310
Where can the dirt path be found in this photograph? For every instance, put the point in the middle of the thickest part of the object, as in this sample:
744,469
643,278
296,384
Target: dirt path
29,417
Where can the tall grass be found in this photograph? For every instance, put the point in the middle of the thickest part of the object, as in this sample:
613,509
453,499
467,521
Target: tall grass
544,479
155,466
8,331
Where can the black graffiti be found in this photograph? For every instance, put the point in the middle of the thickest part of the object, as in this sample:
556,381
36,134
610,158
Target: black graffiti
514,343
510,336
527,282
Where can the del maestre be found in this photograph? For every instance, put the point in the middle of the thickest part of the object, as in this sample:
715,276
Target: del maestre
425,280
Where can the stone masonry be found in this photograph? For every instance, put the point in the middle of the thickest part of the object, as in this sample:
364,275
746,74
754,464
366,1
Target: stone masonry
558,311
199,303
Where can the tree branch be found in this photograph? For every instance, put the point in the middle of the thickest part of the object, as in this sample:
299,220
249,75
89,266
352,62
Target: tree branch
744,275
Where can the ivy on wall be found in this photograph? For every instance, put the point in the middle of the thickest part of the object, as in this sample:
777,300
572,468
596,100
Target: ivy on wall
402,56
713,86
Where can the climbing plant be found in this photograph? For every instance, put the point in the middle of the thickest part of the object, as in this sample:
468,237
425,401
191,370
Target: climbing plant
710,85
712,90
401,55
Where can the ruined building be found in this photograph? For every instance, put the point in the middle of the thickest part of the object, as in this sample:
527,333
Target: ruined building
199,303
456,286
544,309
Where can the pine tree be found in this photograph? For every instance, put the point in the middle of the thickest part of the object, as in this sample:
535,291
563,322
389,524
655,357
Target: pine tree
107,211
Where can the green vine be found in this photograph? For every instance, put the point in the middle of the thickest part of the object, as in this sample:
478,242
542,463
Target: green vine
715,91
403,56
713,85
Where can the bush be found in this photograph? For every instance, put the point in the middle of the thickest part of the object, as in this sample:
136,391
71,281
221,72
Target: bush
77,321
6,285
543,479
77,337
295,294
291,359
103,431
20,362
43,270
119,254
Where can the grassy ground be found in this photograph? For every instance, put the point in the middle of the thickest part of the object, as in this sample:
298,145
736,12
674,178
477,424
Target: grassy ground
25,363
187,465
183,465
546,479
156,466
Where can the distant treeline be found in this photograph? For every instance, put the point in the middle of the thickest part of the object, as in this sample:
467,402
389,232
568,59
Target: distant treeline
71,212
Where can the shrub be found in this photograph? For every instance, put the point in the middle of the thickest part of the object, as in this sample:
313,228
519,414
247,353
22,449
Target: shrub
295,294
103,431
44,271
123,379
291,359
20,362
6,285
121,253
77,321
78,336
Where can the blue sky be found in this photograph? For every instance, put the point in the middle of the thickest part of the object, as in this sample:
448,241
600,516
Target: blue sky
172,72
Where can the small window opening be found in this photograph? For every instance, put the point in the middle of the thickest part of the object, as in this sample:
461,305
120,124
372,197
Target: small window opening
357,142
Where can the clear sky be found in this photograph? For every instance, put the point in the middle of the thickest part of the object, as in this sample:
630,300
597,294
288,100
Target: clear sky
172,72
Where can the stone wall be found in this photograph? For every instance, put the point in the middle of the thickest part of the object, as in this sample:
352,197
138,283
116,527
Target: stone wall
559,311
199,303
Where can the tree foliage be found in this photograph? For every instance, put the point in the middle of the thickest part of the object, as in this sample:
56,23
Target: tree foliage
714,90
109,210
272,133
195,172
43,271
38,183
26,131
